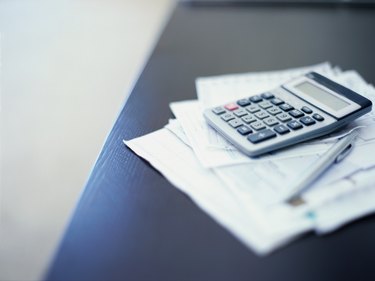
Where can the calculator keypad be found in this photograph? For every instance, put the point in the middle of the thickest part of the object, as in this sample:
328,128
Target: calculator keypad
263,117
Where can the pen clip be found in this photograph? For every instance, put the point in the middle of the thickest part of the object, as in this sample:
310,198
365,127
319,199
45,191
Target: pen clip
344,153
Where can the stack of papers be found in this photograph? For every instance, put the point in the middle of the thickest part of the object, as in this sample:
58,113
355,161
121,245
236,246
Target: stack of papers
245,194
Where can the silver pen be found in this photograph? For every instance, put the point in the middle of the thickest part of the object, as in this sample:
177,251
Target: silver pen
334,155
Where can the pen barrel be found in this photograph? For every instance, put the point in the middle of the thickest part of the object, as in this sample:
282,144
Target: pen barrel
321,165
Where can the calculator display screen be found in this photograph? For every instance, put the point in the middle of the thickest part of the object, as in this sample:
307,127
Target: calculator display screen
322,96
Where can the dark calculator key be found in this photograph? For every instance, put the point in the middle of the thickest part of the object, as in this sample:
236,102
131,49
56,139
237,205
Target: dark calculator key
267,95
286,107
244,130
240,112
227,116
277,101
295,125
231,106
218,110
235,123
243,102
306,109
281,129
261,136
256,98
296,113
307,120
318,117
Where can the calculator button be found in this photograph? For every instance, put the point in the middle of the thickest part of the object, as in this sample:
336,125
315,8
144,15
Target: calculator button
252,108
286,107
235,123
267,95
270,121
274,110
265,104
283,117
296,113
231,106
261,136
243,102
244,130
240,112
306,109
258,125
256,98
248,119
227,116
318,117
277,101
307,120
218,110
281,129
295,125
261,115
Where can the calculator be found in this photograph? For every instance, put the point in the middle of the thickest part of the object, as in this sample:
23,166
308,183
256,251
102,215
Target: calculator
301,109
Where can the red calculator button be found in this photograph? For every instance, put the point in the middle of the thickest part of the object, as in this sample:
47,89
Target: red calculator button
231,106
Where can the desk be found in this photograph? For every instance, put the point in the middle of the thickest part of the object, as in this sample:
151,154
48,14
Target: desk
132,224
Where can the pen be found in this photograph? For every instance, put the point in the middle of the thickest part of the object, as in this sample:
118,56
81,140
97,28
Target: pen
334,155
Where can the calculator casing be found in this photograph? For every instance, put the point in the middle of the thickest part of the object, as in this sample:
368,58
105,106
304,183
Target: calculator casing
287,93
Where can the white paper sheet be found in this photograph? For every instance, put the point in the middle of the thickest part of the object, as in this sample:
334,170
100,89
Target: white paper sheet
241,193
177,163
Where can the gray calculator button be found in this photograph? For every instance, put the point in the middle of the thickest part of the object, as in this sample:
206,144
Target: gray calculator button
244,130
227,116
252,108
235,123
258,125
296,113
240,112
265,104
318,117
261,115
218,110
307,120
274,110
281,129
248,119
283,117
295,125
261,136
271,121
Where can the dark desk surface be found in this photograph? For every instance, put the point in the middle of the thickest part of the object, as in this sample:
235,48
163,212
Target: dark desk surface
131,224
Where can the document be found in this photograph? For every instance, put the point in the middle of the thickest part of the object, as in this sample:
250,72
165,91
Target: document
177,163
244,194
